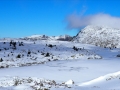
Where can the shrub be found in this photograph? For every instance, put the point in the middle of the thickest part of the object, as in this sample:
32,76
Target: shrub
16,82
29,52
1,60
2,67
118,55
4,42
47,55
75,48
18,56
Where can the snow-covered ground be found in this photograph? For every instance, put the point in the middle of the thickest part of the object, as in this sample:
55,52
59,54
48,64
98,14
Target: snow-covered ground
57,65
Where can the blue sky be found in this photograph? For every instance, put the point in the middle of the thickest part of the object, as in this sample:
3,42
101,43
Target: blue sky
19,18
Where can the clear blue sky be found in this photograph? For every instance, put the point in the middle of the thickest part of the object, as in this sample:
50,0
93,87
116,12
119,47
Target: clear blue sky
19,18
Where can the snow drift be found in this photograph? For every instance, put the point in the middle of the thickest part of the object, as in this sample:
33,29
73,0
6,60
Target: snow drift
109,81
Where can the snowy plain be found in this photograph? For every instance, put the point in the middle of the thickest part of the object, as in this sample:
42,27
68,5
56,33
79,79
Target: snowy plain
90,67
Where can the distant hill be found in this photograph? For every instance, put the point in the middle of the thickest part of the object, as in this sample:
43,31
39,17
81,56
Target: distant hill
44,37
99,35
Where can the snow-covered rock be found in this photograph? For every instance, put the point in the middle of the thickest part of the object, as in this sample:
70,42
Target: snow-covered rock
99,35
69,82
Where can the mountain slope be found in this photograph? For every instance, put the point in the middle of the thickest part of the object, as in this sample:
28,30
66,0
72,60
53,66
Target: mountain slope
99,35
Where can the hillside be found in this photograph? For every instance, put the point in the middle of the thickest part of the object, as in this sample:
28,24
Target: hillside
100,36
17,52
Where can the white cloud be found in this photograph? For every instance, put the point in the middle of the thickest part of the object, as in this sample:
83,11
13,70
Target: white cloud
77,21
